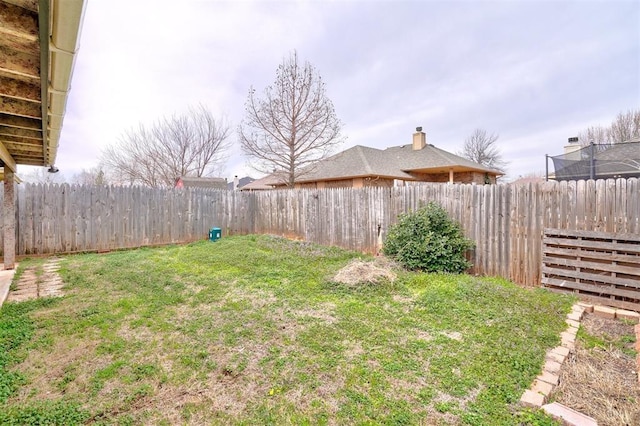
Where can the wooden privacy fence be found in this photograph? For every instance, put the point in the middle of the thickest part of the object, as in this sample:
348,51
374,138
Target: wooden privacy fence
505,221
599,266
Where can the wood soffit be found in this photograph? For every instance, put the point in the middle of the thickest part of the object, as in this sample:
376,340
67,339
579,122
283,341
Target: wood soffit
26,64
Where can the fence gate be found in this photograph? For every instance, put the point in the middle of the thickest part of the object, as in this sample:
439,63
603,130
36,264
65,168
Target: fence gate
600,267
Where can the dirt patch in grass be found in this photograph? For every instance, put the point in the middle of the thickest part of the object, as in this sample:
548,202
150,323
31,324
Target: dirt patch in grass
325,313
50,368
444,407
360,272
600,379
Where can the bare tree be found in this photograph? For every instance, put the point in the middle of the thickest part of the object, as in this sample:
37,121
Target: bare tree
595,134
624,127
42,175
293,126
92,176
192,144
481,148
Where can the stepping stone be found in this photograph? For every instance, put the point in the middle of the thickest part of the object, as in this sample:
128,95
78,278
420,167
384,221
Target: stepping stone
552,379
532,399
630,315
588,307
551,366
604,312
575,316
555,357
542,387
569,416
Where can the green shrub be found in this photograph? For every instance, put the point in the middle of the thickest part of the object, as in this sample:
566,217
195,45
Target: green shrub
428,240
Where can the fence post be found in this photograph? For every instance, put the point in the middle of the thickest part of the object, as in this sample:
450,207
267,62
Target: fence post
546,166
9,224
591,162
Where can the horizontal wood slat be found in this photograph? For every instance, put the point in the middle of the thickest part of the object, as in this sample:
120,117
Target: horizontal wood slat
619,236
608,267
590,244
585,276
565,260
598,256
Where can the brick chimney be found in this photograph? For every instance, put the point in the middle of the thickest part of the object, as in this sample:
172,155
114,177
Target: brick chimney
419,139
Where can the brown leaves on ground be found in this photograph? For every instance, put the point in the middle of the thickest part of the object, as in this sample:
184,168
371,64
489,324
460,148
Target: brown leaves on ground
601,382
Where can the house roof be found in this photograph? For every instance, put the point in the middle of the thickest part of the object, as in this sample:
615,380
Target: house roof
267,182
38,43
620,159
620,151
241,182
528,179
203,182
395,162
616,160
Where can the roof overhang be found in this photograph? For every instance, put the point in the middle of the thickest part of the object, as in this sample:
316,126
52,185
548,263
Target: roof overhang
455,169
347,177
38,44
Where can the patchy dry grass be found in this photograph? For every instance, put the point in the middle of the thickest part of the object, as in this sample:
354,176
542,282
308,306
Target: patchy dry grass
255,330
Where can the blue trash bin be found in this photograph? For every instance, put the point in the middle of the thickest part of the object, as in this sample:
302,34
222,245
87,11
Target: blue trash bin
215,234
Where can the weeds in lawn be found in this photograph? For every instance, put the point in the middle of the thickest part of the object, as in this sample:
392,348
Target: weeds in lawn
253,330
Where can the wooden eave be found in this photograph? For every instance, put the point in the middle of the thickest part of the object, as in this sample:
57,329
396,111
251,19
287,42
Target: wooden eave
38,42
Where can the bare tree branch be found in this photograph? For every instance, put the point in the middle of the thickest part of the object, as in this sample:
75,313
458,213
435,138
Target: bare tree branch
92,176
293,126
481,148
192,144
624,127
41,175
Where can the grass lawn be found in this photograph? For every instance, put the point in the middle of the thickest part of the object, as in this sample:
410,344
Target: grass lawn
251,330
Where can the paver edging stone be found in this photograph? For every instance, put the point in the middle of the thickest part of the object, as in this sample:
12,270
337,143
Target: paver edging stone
544,384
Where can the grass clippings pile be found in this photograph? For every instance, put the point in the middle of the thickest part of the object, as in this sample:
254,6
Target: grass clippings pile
253,330
600,380
358,271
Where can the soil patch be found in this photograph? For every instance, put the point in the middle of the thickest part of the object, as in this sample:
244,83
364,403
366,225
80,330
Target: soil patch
600,378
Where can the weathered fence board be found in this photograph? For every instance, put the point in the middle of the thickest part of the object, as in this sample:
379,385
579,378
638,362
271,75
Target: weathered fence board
602,266
505,221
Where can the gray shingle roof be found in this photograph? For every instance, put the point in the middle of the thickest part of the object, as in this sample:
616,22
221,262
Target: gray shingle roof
241,182
203,182
616,160
394,162
267,182
620,159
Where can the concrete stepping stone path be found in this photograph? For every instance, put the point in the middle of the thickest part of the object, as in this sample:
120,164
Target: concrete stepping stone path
32,285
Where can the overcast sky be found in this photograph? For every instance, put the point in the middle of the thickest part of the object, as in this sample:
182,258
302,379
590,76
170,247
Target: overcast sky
535,72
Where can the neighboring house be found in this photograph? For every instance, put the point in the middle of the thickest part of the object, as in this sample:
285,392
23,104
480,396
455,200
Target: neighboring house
268,182
361,166
523,180
201,182
239,183
619,160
